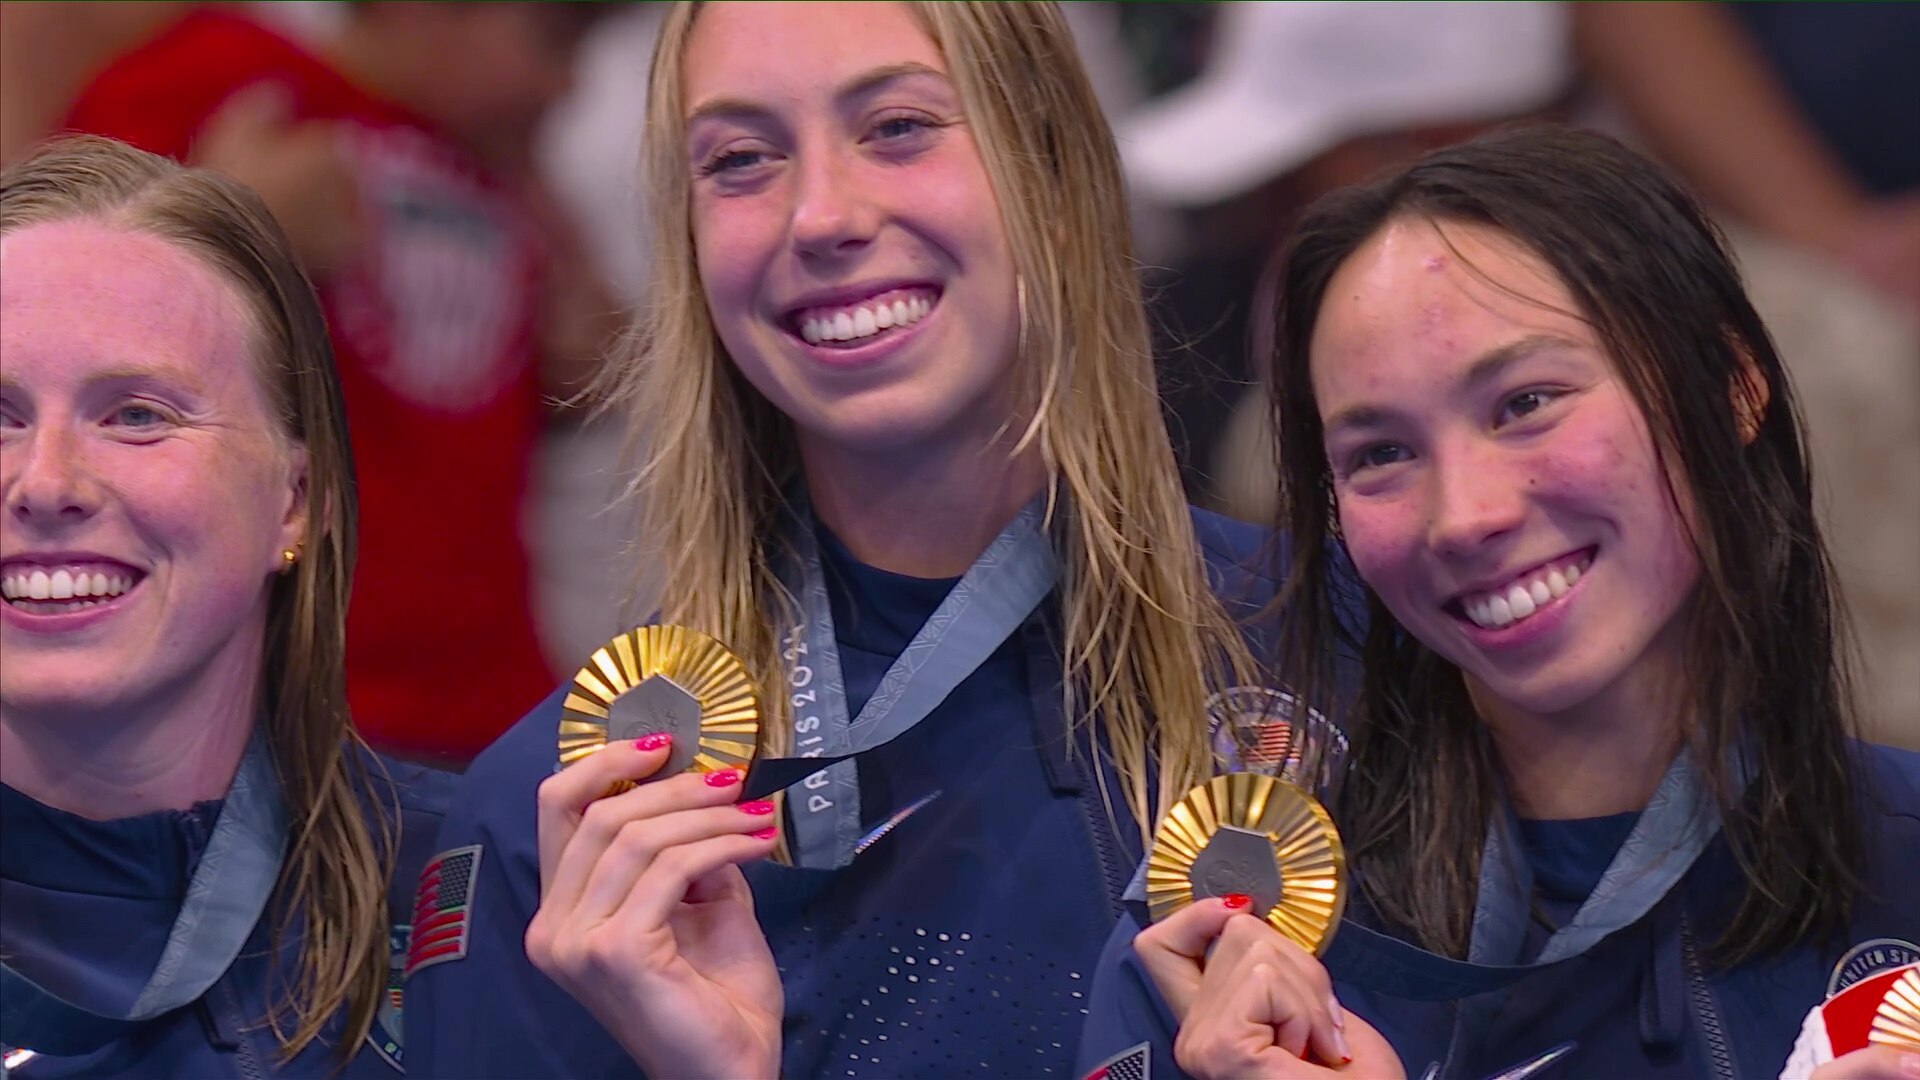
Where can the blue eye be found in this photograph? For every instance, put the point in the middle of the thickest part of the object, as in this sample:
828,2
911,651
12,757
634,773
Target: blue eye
136,416
732,161
896,127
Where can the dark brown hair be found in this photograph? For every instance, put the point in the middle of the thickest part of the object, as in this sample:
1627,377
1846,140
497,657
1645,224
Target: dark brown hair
1768,692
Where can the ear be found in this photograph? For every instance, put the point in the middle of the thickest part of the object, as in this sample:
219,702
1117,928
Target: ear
293,523
1750,393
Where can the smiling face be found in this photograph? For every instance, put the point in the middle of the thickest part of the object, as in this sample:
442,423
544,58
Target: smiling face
145,492
1496,483
847,237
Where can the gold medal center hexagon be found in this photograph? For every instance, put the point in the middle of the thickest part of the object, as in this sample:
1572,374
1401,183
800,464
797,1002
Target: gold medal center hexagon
706,669
1306,850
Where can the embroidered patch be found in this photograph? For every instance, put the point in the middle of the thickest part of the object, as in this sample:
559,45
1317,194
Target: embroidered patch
384,1035
1870,958
1134,1063
442,909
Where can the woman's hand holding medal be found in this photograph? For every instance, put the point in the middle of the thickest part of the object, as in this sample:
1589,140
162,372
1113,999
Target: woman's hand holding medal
1249,1002
645,917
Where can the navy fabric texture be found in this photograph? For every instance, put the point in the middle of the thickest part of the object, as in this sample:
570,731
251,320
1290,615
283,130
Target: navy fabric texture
1644,1002
962,943
88,907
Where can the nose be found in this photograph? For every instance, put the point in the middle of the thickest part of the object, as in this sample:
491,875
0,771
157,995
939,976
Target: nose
48,482
832,214
1476,501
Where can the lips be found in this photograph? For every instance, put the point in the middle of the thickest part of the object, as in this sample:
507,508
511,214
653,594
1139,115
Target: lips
60,585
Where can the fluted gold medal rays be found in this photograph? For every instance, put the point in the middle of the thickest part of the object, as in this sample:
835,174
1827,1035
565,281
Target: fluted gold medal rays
1897,1021
1258,836
664,678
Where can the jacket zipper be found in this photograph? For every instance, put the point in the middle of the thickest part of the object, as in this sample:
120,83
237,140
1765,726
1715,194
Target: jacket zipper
1703,1007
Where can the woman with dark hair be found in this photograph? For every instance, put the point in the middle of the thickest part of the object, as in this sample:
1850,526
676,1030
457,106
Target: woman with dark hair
1602,789
204,871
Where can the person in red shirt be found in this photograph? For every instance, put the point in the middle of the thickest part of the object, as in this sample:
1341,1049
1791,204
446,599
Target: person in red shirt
398,162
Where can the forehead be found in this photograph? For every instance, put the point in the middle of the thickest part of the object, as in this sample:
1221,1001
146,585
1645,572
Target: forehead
792,52
83,291
1419,299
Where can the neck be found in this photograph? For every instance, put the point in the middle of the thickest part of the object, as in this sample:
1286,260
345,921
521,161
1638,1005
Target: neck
922,515
1604,757
138,760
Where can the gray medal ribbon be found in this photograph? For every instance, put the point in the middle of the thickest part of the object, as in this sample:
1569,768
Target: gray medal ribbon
224,901
995,596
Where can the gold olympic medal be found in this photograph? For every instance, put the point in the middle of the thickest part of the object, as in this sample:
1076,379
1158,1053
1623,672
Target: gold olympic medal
664,679
1258,836
1897,1021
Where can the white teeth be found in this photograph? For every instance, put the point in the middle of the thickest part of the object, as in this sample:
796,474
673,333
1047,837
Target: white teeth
1498,613
862,322
1573,574
39,586
1539,592
82,584
100,586
1521,602
62,585
1556,582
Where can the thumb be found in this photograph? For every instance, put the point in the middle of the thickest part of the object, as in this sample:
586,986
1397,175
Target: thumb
1174,950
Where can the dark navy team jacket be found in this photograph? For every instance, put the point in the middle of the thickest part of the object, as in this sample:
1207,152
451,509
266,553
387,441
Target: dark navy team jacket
87,906
963,942
1644,1002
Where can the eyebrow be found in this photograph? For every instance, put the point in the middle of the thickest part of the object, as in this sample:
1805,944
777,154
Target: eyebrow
864,83
1487,368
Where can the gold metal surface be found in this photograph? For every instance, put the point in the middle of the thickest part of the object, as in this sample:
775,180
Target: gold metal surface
1897,1021
1306,849
702,666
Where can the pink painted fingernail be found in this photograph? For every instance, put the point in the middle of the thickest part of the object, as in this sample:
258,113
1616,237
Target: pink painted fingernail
723,778
758,806
654,741
767,833
1237,901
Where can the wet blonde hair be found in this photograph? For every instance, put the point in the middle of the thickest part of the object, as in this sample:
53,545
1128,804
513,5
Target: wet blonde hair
1145,637
333,881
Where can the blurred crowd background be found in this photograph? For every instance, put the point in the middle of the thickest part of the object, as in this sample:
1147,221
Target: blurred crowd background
459,178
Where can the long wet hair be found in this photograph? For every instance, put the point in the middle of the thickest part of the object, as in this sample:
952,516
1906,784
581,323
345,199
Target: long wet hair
1768,691
1144,635
332,890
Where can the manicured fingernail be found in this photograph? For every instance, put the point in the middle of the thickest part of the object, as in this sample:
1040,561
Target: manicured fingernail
723,778
767,833
1910,1065
1334,1010
1237,901
1340,1044
654,741
759,806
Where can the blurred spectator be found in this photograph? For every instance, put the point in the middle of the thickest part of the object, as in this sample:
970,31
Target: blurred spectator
48,50
399,160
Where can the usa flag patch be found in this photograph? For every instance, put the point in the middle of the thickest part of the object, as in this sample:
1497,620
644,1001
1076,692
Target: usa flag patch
443,908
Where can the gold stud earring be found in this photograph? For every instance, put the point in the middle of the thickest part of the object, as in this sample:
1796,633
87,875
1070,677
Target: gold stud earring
291,556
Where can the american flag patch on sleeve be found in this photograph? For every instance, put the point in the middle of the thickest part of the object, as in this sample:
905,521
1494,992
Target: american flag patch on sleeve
1129,1064
443,908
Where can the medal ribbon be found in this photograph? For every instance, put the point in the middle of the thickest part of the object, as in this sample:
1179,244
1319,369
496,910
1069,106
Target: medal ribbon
995,596
224,901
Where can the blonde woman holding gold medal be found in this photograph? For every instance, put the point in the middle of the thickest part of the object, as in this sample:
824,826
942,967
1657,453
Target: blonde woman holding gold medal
906,459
